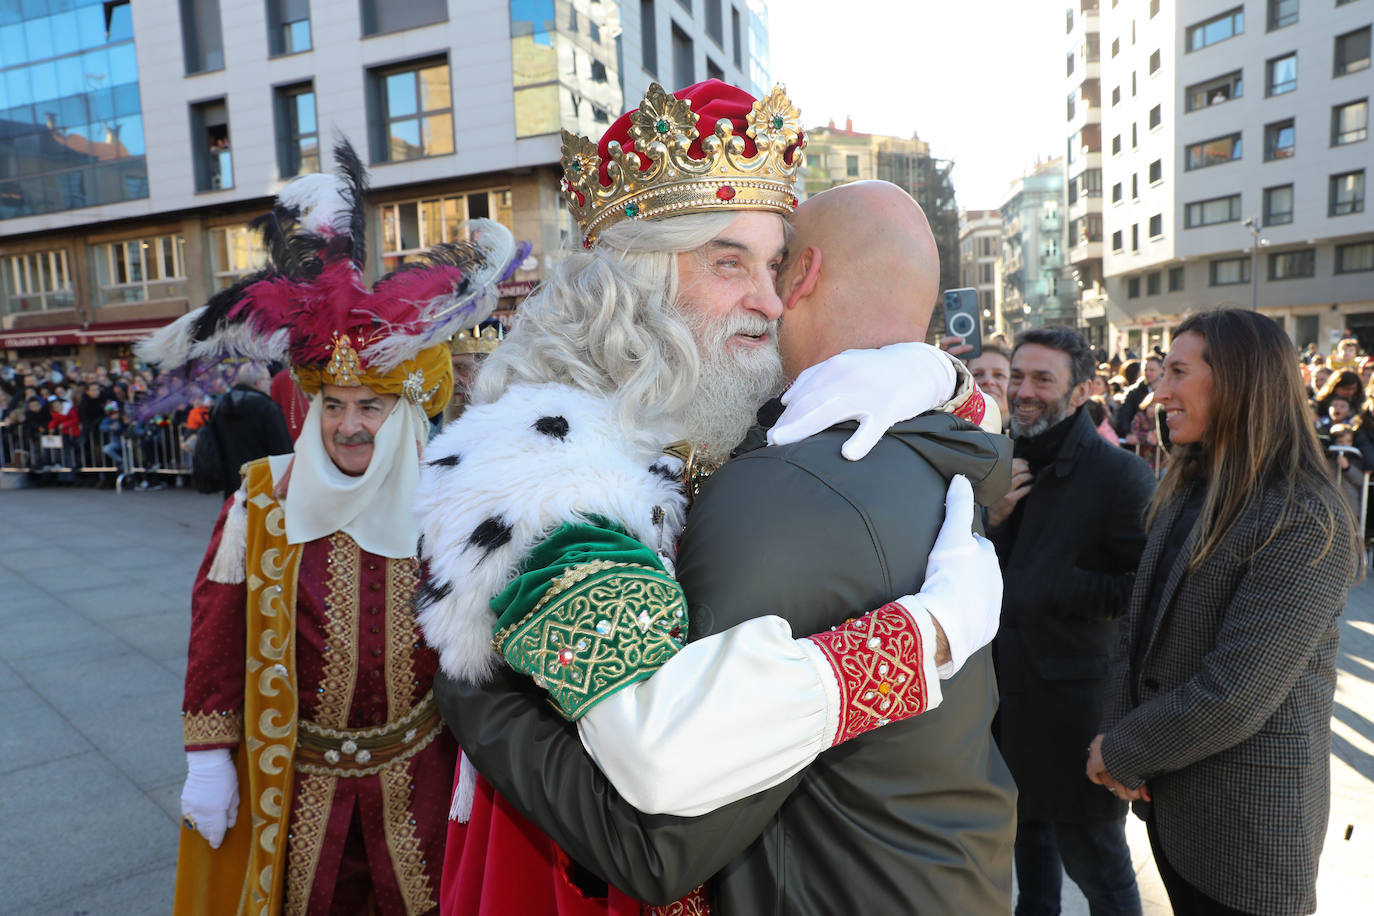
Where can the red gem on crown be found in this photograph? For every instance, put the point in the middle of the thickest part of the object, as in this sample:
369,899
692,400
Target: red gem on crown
725,192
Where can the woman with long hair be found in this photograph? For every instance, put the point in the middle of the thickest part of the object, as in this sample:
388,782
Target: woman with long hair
1219,718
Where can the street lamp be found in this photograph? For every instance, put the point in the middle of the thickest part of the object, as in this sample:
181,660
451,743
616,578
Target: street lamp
1256,243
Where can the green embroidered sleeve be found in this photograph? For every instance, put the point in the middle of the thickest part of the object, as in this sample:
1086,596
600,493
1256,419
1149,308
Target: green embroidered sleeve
592,611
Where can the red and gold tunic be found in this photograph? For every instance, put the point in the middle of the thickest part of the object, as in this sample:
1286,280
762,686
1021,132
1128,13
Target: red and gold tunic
372,762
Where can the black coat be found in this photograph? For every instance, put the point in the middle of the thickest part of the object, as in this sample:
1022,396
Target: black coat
249,425
1067,576
1130,406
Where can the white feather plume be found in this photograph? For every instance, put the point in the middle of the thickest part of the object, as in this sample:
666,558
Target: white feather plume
170,345
323,202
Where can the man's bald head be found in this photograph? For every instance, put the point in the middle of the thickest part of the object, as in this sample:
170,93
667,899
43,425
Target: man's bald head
863,271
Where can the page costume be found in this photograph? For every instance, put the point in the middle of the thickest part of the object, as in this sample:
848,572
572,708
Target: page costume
550,532
305,657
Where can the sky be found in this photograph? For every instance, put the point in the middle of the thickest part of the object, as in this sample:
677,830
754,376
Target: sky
981,81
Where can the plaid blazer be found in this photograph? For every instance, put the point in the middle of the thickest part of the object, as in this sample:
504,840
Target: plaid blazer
1228,713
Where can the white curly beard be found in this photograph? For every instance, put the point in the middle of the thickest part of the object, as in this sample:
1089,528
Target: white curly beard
733,382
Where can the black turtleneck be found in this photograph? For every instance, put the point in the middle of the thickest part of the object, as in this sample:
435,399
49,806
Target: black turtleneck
1040,451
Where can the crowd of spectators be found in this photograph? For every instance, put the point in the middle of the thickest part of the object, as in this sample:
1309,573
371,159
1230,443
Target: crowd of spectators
64,424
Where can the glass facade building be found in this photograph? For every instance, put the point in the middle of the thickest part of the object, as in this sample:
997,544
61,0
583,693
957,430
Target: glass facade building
71,126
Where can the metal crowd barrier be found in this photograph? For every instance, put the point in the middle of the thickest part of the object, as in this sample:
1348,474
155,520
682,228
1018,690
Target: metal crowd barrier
143,453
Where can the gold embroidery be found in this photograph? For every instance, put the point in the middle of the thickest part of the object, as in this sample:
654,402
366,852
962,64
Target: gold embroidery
695,469
402,634
694,904
212,728
314,799
340,673
599,627
406,855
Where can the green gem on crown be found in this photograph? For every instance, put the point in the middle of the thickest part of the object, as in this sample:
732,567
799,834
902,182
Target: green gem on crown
777,123
631,209
577,165
661,127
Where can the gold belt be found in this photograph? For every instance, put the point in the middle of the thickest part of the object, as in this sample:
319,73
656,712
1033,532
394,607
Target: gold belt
364,751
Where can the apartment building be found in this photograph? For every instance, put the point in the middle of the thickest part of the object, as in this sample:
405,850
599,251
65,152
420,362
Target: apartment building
980,243
1083,172
1235,155
138,140
1032,254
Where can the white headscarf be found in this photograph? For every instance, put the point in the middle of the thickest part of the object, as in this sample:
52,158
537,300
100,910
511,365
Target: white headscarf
373,508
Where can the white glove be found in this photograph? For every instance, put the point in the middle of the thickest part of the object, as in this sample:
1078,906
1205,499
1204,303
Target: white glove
879,388
963,587
210,797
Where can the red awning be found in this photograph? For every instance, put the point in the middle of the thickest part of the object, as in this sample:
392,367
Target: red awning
113,332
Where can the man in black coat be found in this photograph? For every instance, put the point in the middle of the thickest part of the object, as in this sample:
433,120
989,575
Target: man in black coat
1135,395
1069,536
248,424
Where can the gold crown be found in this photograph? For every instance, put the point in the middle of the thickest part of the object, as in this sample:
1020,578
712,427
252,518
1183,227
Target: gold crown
663,130
483,340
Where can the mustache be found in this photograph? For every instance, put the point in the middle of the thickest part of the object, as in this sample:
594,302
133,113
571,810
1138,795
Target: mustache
742,323
359,438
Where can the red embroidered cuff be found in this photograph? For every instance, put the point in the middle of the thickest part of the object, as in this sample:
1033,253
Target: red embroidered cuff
879,662
973,408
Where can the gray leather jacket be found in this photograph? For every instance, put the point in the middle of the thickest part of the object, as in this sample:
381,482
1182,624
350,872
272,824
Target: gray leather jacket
918,816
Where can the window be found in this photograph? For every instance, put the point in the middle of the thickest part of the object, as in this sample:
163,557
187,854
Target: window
1212,152
1116,240
288,26
1135,186
1278,140
1292,265
1156,116
715,22
1116,46
409,227
736,35
1281,74
298,139
1152,283
1132,287
1347,194
1278,205
1091,49
1073,99
1156,173
202,44
1132,84
1213,91
1175,279
1352,52
1213,211
1135,137
1085,229
382,16
1154,61
713,71
683,58
1135,236
648,37
1350,122
1154,8
138,270
235,252
35,282
1087,184
210,151
1354,258
412,112
1116,96
1116,145
1229,271
1282,13
1116,193
1069,66
851,166
1218,28
1156,225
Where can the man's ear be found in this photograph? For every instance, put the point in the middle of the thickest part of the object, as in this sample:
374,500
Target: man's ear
1080,394
802,281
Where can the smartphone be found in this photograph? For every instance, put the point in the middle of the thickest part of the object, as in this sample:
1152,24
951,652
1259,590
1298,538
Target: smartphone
963,320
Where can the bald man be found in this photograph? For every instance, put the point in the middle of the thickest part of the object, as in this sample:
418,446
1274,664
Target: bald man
916,816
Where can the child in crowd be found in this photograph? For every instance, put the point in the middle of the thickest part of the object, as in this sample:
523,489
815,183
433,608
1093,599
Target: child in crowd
1347,464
